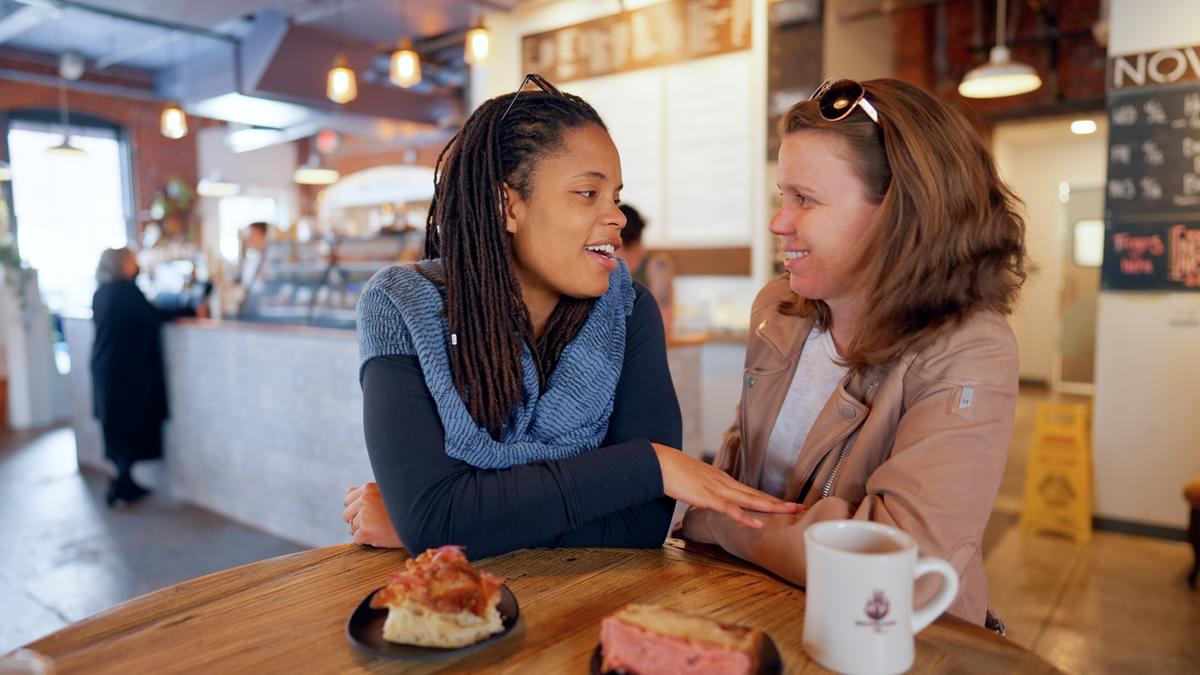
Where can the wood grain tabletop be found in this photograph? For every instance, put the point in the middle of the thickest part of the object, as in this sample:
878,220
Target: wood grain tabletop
289,615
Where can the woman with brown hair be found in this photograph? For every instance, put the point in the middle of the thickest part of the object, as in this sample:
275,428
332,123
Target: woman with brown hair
515,382
881,374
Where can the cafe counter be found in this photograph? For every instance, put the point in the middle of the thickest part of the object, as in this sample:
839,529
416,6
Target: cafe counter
266,420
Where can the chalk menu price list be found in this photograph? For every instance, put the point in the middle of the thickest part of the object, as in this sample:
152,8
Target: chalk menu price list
1154,154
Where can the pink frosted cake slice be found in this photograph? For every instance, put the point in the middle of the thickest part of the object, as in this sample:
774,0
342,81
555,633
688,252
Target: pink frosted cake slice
650,640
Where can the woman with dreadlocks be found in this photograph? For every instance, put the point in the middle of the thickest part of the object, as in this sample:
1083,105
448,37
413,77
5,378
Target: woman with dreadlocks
515,383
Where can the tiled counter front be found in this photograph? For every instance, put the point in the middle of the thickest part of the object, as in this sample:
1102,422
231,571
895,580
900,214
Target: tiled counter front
266,423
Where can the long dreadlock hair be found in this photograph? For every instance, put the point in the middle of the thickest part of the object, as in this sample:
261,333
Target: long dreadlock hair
500,143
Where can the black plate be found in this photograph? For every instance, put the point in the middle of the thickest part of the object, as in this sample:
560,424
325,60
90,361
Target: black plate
770,663
365,631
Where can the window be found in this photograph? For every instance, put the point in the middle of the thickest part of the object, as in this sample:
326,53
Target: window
68,208
1088,243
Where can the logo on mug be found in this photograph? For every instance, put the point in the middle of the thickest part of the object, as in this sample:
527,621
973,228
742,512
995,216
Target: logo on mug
877,609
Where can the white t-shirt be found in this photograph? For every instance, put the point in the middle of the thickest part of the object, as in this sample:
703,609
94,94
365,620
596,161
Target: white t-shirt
817,376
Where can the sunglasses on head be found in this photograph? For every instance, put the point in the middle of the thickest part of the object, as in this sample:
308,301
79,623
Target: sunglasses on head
537,81
837,97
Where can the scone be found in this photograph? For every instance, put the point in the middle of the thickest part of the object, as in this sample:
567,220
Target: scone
651,640
440,600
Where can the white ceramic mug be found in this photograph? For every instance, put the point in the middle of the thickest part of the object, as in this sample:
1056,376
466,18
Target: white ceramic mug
859,616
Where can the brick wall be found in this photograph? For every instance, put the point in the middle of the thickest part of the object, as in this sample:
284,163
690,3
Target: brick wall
155,157
1075,83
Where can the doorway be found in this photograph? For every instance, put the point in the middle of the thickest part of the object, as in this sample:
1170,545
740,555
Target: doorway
1083,248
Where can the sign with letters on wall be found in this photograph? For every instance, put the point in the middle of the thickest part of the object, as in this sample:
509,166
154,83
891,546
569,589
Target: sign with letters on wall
1152,257
1152,232
656,35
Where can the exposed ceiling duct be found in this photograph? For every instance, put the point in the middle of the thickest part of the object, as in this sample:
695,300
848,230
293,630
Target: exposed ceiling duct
273,81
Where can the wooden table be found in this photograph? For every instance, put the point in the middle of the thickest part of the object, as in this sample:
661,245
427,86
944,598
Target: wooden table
288,615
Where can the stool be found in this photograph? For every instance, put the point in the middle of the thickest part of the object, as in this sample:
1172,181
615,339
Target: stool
1192,494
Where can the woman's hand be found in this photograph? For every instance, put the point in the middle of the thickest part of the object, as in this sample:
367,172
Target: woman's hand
368,519
704,486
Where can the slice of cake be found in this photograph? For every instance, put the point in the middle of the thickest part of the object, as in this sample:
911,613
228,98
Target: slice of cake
651,640
440,600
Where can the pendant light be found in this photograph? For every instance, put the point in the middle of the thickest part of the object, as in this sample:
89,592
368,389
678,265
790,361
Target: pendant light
405,68
315,173
1000,76
341,86
64,149
478,45
214,186
173,123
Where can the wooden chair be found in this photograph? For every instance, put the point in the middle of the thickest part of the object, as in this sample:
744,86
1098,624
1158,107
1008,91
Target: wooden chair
1192,494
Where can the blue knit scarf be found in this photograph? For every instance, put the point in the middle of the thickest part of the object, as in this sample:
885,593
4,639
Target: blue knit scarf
401,312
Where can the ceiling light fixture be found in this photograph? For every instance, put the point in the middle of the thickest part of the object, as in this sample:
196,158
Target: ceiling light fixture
65,148
341,86
214,186
1083,127
173,123
479,40
1000,76
406,66
314,173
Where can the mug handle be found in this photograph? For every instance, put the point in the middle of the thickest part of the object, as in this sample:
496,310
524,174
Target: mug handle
925,614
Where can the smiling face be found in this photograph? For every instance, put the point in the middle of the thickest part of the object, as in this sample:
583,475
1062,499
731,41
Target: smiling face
567,229
824,217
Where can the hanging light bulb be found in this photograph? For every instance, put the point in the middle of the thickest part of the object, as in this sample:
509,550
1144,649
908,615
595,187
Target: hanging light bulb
64,149
1000,76
341,85
479,41
173,123
406,66
313,172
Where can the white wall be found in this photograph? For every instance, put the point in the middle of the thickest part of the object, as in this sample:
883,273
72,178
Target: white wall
1034,158
264,172
1146,432
694,127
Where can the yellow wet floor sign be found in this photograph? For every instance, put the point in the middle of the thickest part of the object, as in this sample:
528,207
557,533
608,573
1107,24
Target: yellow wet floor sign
1058,480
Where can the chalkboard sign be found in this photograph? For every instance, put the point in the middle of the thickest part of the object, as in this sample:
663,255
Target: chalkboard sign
1163,256
1154,154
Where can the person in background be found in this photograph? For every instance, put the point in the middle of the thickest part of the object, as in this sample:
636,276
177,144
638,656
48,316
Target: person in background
881,372
515,384
129,392
254,249
653,270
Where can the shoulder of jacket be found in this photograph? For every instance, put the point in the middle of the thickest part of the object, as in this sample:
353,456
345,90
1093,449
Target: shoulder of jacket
769,297
981,349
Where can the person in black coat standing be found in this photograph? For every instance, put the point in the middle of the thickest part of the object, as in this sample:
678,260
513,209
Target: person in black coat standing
129,391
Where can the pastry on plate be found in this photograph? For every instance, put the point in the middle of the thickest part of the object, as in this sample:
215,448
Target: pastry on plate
652,640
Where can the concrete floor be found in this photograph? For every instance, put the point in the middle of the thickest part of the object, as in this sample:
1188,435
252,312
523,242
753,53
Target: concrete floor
66,556
1119,604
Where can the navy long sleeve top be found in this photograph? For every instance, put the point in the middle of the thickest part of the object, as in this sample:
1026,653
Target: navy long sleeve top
610,496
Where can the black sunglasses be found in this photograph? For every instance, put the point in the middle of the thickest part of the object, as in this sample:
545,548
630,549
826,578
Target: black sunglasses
837,97
539,82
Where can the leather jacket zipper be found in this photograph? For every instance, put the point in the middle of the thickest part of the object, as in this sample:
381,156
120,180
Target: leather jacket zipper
845,447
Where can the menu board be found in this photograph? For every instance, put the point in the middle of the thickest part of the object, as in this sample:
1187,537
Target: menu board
1163,256
656,35
1154,154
